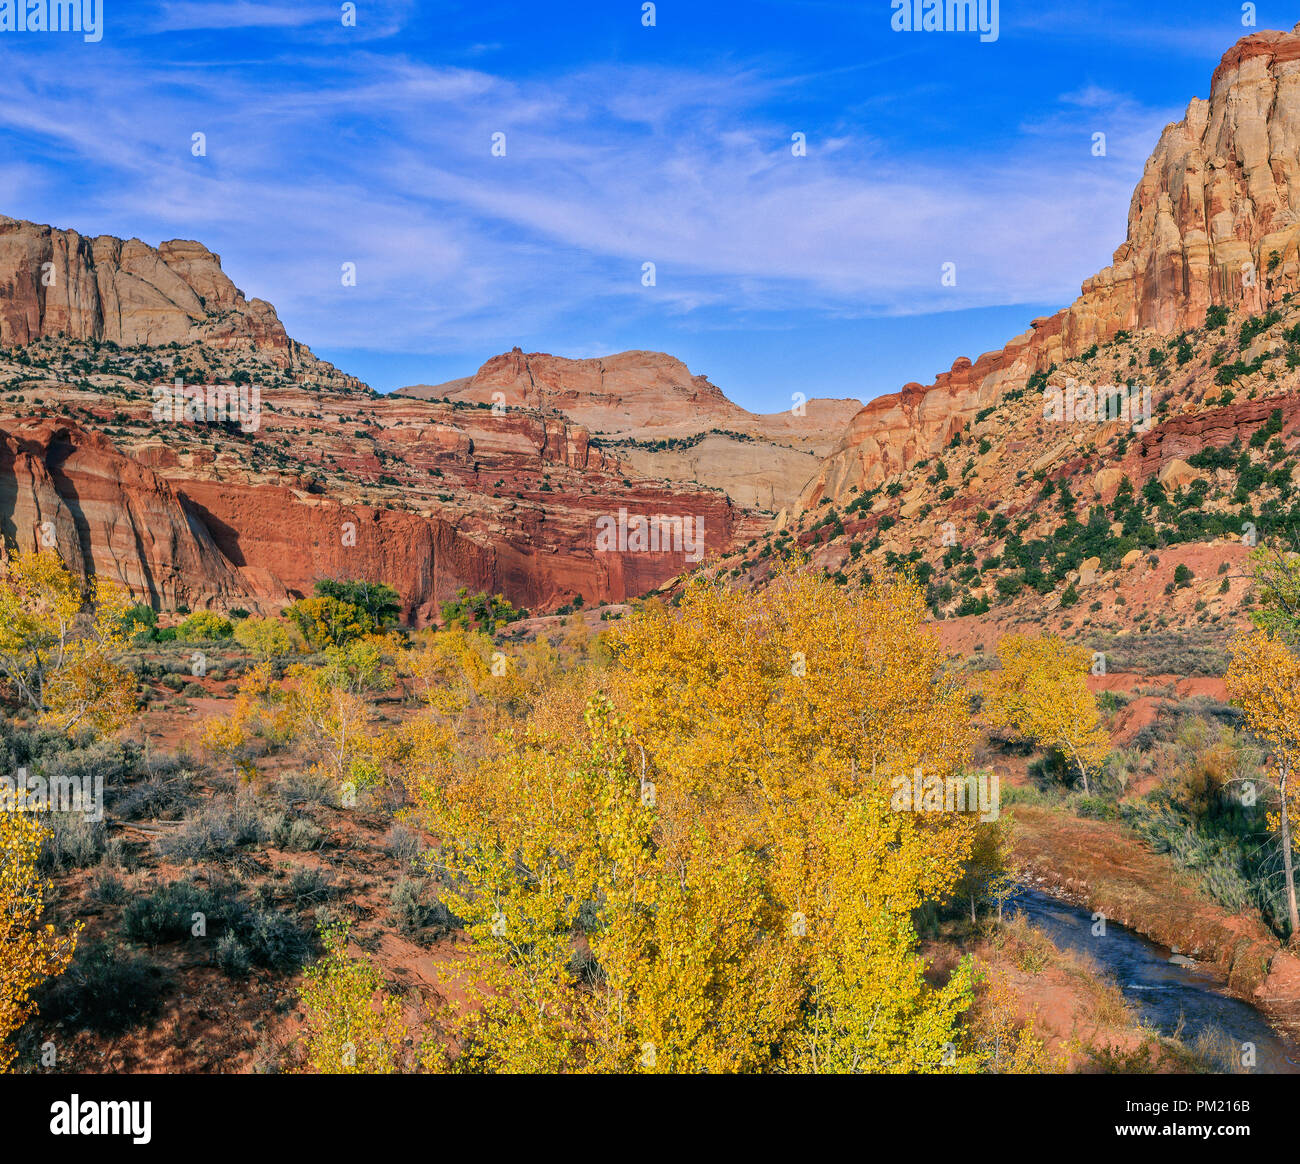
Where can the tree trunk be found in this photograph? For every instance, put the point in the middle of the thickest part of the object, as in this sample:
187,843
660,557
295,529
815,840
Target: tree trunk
1287,865
1083,771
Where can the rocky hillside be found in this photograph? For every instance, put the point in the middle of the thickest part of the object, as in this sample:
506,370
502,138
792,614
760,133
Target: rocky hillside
1094,528
1015,487
662,421
1215,220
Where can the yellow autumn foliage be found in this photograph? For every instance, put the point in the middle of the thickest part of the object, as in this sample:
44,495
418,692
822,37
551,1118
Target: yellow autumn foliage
354,1026
705,873
1042,692
1263,679
29,951
57,642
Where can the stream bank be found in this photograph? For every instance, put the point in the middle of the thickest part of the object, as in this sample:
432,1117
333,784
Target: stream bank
1101,867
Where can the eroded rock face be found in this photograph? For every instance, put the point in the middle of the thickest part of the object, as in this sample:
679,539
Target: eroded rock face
436,500
331,481
1215,219
70,490
1163,451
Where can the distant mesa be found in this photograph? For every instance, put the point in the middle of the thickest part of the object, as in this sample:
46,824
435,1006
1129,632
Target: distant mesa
663,421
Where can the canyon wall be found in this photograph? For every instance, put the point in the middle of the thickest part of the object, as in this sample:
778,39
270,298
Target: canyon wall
1215,219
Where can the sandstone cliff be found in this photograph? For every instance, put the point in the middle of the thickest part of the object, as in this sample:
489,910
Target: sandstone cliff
1215,219
427,497
432,496
59,283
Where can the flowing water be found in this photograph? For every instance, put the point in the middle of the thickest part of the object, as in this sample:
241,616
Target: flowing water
1164,995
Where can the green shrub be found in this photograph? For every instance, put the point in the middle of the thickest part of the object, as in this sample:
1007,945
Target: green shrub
167,914
74,842
205,627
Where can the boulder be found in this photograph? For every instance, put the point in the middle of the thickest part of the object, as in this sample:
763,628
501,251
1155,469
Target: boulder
1177,474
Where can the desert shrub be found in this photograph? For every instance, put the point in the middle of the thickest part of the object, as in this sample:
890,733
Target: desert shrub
106,989
311,886
73,842
164,792
274,940
108,888
270,939
1030,794
404,844
167,914
232,955
117,854
305,788
1196,816
1094,807
414,907
1049,769
1168,831
297,833
92,761
29,747
1200,652
218,832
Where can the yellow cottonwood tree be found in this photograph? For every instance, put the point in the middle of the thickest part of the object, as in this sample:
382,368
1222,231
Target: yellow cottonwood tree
267,638
560,870
326,621
57,643
1264,681
988,877
354,1026
29,952
1042,693
330,721
257,717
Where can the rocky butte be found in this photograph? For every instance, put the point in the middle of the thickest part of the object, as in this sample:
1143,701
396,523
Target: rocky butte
662,421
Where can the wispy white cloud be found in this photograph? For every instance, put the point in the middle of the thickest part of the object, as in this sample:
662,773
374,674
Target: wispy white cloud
1118,22
386,162
371,21
189,15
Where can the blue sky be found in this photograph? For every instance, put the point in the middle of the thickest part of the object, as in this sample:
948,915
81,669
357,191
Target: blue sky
624,145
